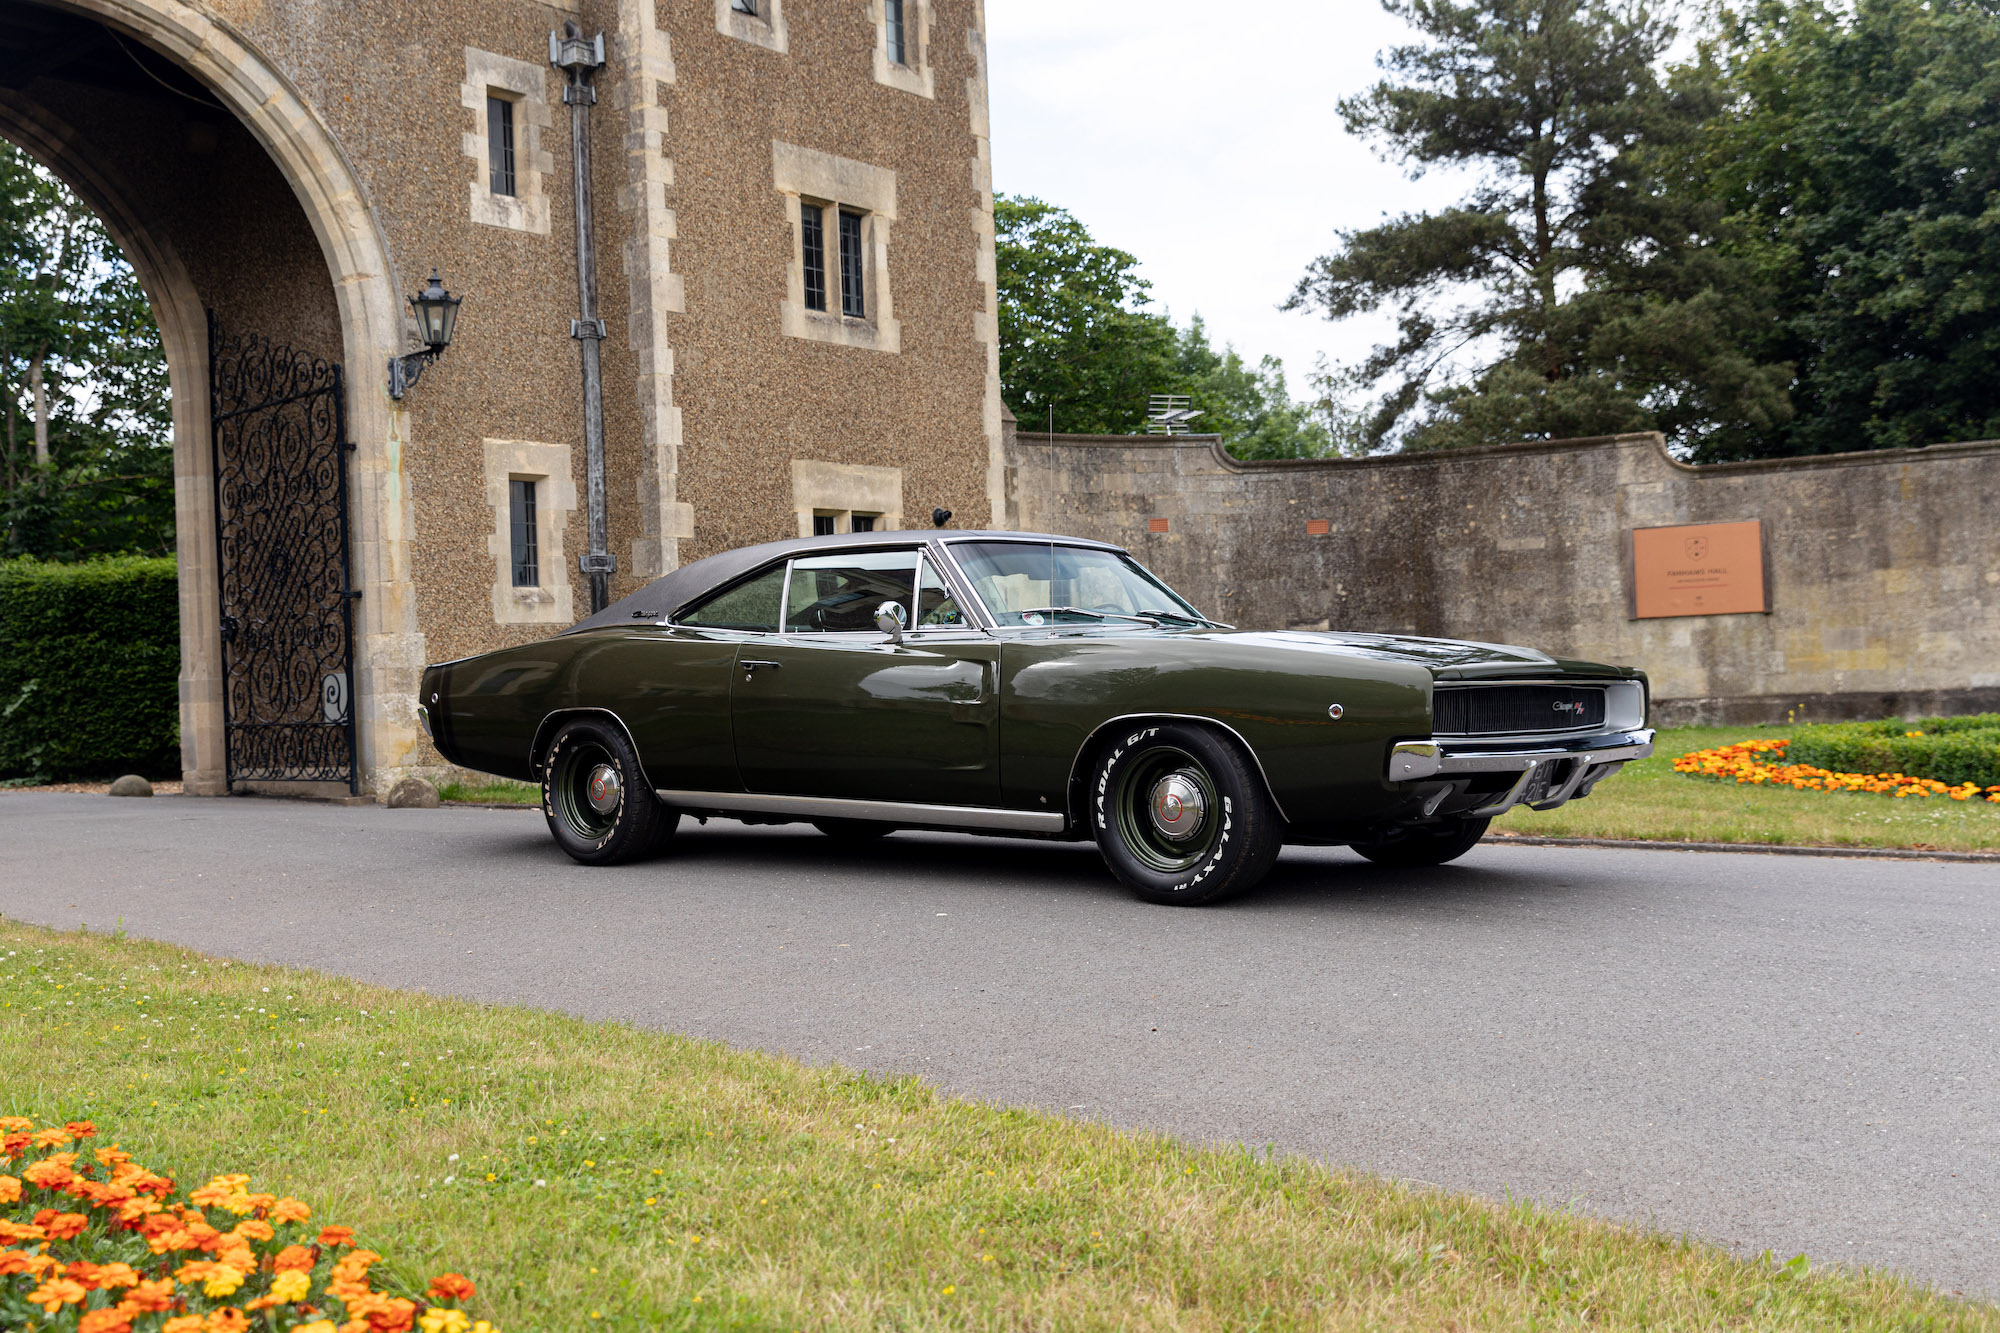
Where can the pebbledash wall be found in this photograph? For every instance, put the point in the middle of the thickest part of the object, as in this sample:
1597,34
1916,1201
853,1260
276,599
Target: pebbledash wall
298,167
1883,569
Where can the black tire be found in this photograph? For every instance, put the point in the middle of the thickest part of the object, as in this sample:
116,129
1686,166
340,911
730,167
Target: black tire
853,830
583,757
1426,847
1236,832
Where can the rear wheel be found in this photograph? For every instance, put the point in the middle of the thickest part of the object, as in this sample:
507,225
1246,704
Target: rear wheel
595,796
1426,847
1180,816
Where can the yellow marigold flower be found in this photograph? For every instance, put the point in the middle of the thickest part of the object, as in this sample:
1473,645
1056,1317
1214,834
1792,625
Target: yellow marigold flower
444,1321
291,1285
318,1326
222,1282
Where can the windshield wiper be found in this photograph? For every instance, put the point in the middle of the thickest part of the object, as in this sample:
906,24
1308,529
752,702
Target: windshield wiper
1077,611
1180,619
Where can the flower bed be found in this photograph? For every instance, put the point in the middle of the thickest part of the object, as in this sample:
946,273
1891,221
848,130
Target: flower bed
1763,763
133,1258
1954,750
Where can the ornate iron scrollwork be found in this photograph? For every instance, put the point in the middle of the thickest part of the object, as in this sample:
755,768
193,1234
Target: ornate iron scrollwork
278,426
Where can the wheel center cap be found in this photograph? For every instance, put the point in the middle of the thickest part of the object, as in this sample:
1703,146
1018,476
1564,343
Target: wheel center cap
603,789
1177,807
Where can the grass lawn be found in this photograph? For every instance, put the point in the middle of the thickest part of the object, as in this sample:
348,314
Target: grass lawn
595,1175
1649,800
491,791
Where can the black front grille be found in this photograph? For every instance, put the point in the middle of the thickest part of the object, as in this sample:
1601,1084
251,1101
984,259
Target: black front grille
1486,710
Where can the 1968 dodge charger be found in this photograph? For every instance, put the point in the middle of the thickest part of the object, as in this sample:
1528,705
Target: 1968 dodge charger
1015,683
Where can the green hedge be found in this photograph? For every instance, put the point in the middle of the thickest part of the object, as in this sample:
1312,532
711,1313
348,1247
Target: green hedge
90,662
1953,750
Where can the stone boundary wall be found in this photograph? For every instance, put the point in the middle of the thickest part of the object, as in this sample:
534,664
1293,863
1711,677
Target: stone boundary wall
1883,568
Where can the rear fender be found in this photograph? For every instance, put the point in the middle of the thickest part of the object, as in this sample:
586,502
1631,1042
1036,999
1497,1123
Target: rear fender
545,735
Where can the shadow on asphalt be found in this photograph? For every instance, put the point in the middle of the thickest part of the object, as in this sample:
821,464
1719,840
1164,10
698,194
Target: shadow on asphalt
1304,879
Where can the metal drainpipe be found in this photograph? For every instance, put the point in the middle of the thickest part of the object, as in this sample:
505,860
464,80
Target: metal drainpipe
579,58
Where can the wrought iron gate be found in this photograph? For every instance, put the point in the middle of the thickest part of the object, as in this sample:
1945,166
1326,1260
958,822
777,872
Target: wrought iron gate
279,426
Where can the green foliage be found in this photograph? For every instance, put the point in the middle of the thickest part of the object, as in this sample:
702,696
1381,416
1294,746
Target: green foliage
1953,750
1860,159
1570,292
74,321
89,669
1080,352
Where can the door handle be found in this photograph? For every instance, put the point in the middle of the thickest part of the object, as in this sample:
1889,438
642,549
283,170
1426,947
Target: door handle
750,667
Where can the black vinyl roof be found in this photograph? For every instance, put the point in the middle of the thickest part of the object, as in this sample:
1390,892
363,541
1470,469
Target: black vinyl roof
665,596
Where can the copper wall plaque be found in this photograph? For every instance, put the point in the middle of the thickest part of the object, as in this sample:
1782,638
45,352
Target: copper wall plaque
1705,569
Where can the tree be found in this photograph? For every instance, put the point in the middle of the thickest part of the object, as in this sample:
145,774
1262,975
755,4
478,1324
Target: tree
86,458
1081,352
1860,162
1570,292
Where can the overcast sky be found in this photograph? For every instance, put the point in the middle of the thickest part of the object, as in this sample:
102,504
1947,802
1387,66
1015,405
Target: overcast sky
1203,138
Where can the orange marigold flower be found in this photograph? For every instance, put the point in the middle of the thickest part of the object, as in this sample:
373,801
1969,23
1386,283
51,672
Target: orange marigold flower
227,1320
253,1228
57,1292
11,1123
83,1129
175,1237
113,1157
115,1275
66,1226
289,1210
451,1287
150,1297
293,1259
13,1261
10,1190
50,1174
49,1138
13,1231
187,1323
114,1320
13,1144
336,1236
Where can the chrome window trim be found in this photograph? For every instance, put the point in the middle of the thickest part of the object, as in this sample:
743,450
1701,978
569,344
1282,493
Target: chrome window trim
814,635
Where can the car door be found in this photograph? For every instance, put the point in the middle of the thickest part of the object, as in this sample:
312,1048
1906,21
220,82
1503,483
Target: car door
832,707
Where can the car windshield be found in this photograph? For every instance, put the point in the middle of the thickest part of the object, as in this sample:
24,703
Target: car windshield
1027,583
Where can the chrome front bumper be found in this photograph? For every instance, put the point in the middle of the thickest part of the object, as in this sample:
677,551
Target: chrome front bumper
1551,772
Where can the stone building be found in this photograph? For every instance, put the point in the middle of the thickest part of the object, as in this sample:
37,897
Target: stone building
791,220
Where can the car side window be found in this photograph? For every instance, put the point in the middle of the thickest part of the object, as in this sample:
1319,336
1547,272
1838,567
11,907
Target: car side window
937,605
751,605
832,594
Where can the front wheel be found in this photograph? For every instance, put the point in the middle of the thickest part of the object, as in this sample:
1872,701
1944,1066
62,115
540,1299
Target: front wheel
1426,847
595,796
1180,816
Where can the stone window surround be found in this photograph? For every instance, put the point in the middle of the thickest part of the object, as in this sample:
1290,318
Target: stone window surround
526,85
548,465
765,28
844,490
913,75
805,175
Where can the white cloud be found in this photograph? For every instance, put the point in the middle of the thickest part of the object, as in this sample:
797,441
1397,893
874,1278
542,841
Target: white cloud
1205,139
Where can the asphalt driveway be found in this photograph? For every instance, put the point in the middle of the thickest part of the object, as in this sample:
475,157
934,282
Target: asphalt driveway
1785,1053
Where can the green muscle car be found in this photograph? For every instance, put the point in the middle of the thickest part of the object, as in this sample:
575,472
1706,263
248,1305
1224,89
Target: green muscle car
1022,684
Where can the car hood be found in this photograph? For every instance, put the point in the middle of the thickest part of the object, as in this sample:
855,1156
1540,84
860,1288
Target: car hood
1447,659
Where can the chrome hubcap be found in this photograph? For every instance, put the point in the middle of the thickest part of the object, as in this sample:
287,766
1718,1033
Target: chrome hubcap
603,789
1177,807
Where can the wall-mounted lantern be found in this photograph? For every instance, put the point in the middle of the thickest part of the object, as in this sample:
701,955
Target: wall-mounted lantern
437,317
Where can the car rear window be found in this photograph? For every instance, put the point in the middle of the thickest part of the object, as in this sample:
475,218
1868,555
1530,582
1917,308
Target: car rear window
751,605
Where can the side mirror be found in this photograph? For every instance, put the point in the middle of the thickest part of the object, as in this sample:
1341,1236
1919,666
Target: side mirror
890,619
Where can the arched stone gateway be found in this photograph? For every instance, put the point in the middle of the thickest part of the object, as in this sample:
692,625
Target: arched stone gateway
101,151
295,167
